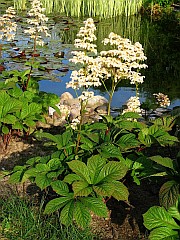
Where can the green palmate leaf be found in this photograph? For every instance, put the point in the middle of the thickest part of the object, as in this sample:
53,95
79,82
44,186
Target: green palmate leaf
95,164
164,233
104,189
108,150
42,181
169,193
128,141
60,188
80,168
164,161
157,217
70,178
96,205
57,203
120,191
66,216
81,188
81,215
112,171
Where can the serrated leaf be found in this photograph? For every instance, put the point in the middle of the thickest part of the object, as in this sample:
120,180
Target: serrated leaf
95,164
29,110
66,216
70,178
57,203
17,125
164,161
174,212
104,189
163,233
54,164
42,167
98,126
32,172
4,97
16,177
81,215
9,119
128,141
80,168
131,115
169,193
42,181
120,191
112,171
81,188
60,188
157,217
109,150
12,106
96,205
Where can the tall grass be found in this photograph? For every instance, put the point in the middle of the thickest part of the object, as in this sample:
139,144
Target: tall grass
20,220
91,8
20,4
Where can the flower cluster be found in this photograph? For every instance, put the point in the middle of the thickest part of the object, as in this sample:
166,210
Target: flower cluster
74,124
133,105
7,25
86,76
85,96
123,61
162,99
37,20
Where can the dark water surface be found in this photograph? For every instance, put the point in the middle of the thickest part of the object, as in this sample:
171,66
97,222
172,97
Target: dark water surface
160,39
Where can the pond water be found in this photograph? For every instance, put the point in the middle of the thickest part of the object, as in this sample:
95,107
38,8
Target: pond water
160,39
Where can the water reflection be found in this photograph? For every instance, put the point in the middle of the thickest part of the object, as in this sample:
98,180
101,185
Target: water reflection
161,41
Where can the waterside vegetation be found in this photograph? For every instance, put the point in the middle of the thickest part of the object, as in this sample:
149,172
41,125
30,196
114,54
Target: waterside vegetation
90,162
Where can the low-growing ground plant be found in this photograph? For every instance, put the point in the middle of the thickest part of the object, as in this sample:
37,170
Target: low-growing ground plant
21,219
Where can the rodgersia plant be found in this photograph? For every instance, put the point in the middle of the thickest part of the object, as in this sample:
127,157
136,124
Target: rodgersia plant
122,61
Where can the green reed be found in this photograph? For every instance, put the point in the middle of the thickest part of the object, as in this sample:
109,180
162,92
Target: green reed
91,8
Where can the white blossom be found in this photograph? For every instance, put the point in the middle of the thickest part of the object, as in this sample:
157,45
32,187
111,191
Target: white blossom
37,20
7,25
162,99
133,105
